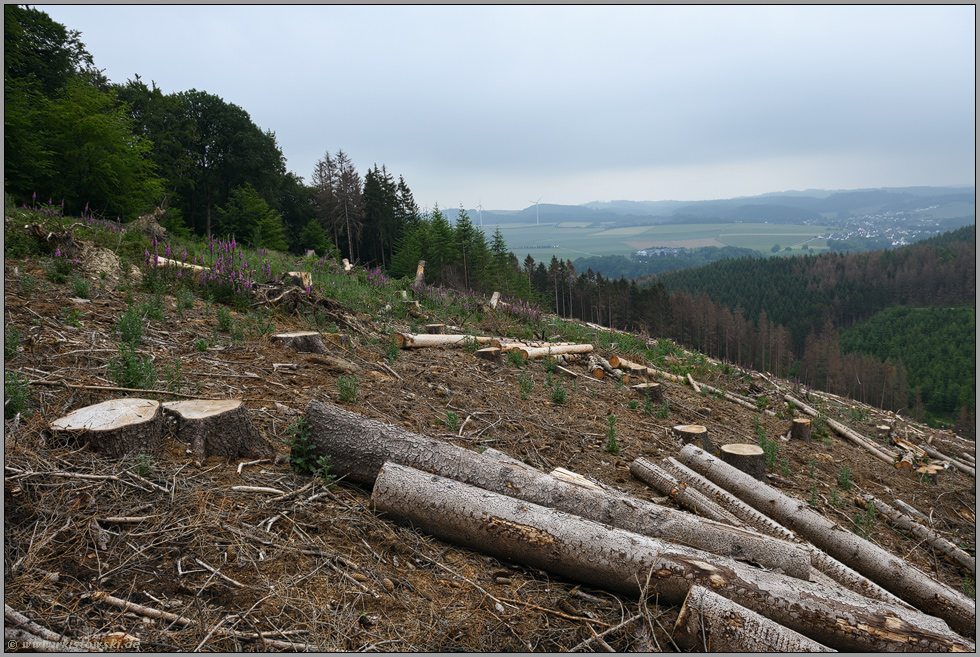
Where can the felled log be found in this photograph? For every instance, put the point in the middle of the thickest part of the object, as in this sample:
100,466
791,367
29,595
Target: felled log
881,453
358,446
750,459
737,399
931,538
653,475
936,454
917,452
820,561
716,624
115,428
534,353
616,560
218,428
413,340
304,342
600,368
888,570
334,363
800,430
905,462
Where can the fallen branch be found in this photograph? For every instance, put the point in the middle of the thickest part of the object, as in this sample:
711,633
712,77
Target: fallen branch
79,386
149,612
587,642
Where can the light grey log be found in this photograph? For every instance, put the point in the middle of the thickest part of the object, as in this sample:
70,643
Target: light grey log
218,428
358,446
716,624
523,532
820,561
888,570
690,498
116,427
934,540
880,453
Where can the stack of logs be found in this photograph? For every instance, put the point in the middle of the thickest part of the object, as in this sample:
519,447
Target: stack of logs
561,523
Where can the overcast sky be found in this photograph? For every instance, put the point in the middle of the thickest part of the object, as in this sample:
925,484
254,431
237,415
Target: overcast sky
507,104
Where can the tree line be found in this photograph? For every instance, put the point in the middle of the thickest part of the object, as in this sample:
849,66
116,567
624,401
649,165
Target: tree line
119,150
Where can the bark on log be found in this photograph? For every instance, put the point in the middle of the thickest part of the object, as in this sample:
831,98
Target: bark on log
358,447
801,429
304,342
716,624
931,538
661,480
116,427
617,560
218,428
750,459
652,390
888,570
882,454
819,560
534,353
413,340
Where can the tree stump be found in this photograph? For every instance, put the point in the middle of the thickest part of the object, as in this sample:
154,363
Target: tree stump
435,329
305,342
116,427
884,432
694,434
906,462
218,428
651,390
302,278
750,459
419,275
800,429
491,354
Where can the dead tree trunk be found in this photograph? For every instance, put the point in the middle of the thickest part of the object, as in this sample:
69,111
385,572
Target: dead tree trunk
750,459
893,573
801,430
218,428
934,540
617,560
304,342
819,560
115,428
358,446
711,623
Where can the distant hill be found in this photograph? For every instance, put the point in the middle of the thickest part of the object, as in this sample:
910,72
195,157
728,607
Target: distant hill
809,206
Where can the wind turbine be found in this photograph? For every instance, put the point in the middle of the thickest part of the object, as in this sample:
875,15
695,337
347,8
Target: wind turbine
537,216
480,208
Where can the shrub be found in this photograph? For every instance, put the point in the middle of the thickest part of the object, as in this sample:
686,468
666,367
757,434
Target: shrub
185,300
633,404
129,327
80,286
16,393
11,342
348,388
28,284
664,411
224,319
526,384
558,394
58,269
302,454
515,357
131,371
844,478
611,445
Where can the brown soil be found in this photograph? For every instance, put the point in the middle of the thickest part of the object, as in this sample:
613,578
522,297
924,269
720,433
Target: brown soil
328,572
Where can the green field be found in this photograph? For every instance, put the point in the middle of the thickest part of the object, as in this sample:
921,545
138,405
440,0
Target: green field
571,240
